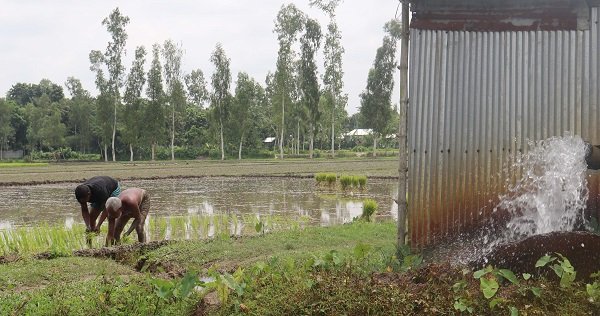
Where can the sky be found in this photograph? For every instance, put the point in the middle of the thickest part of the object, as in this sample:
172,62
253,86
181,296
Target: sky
52,39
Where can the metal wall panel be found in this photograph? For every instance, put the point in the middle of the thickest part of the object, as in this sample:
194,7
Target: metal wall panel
476,99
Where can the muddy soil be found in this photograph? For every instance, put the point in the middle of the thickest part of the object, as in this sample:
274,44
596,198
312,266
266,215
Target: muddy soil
581,248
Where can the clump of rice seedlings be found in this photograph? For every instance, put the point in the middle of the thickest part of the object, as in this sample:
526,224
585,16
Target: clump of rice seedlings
320,178
178,227
195,225
205,226
353,181
345,181
160,225
369,208
331,179
362,182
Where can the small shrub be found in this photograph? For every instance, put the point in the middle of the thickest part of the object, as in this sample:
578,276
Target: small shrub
369,208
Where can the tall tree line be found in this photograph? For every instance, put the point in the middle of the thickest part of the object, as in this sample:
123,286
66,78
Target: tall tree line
138,113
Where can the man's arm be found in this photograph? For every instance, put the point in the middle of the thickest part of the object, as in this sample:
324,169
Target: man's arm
111,232
103,216
86,216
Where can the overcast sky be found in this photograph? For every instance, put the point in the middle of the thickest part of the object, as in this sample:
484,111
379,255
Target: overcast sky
52,39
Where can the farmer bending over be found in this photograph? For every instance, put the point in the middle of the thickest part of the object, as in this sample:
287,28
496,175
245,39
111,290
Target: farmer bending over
95,191
131,203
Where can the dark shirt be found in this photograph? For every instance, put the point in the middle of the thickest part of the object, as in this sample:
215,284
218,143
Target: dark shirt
101,187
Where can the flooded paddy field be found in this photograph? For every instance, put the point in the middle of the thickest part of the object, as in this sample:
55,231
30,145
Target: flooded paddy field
179,204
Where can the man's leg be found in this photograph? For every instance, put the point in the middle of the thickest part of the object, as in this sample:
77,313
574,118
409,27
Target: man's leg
121,222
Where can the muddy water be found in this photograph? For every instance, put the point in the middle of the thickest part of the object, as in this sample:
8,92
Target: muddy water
55,203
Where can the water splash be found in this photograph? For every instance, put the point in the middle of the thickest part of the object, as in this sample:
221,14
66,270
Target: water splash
551,194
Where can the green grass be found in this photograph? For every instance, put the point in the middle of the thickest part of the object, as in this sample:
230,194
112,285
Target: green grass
347,269
301,243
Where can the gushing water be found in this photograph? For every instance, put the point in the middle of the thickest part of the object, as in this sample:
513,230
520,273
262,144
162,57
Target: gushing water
550,195
552,191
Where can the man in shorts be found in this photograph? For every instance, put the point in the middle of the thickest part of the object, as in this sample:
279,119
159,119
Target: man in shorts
131,203
95,191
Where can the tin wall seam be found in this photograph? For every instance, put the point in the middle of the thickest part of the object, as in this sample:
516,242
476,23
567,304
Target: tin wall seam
476,99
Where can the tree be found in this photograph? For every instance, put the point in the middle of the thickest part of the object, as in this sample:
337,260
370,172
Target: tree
45,129
376,99
221,80
113,60
7,132
133,100
154,114
172,55
288,24
247,97
103,106
333,77
309,84
24,93
80,114
196,87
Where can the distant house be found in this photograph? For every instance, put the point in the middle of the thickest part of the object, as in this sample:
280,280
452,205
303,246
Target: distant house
359,132
269,140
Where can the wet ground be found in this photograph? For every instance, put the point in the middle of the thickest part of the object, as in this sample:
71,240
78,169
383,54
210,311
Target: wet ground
29,205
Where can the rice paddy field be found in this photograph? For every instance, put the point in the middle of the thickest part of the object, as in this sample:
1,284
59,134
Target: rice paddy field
23,173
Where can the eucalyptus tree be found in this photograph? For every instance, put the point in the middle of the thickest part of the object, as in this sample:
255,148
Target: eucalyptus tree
81,114
334,73
102,126
246,101
309,85
221,81
172,55
154,113
112,59
7,132
133,101
288,24
196,87
375,105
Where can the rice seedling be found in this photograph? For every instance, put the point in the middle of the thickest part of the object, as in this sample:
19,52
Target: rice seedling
362,182
331,179
320,178
355,182
369,208
345,181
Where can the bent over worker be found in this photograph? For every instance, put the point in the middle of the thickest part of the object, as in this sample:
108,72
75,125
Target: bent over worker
131,203
95,191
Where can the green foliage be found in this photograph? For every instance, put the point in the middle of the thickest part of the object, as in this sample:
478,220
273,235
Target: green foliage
563,268
369,208
593,290
331,178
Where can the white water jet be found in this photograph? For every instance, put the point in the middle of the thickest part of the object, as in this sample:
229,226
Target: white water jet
551,194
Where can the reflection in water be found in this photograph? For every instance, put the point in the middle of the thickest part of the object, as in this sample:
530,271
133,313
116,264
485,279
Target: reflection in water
240,198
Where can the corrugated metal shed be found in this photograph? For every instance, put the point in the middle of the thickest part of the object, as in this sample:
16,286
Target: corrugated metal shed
478,93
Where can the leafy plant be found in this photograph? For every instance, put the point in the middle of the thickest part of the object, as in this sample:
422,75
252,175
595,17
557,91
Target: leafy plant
563,268
593,290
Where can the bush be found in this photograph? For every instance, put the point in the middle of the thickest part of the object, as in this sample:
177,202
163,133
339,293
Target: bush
369,208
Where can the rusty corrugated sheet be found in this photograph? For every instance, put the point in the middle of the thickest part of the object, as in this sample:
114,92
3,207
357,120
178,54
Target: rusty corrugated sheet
476,98
493,15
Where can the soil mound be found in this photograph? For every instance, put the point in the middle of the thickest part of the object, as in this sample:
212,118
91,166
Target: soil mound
581,248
